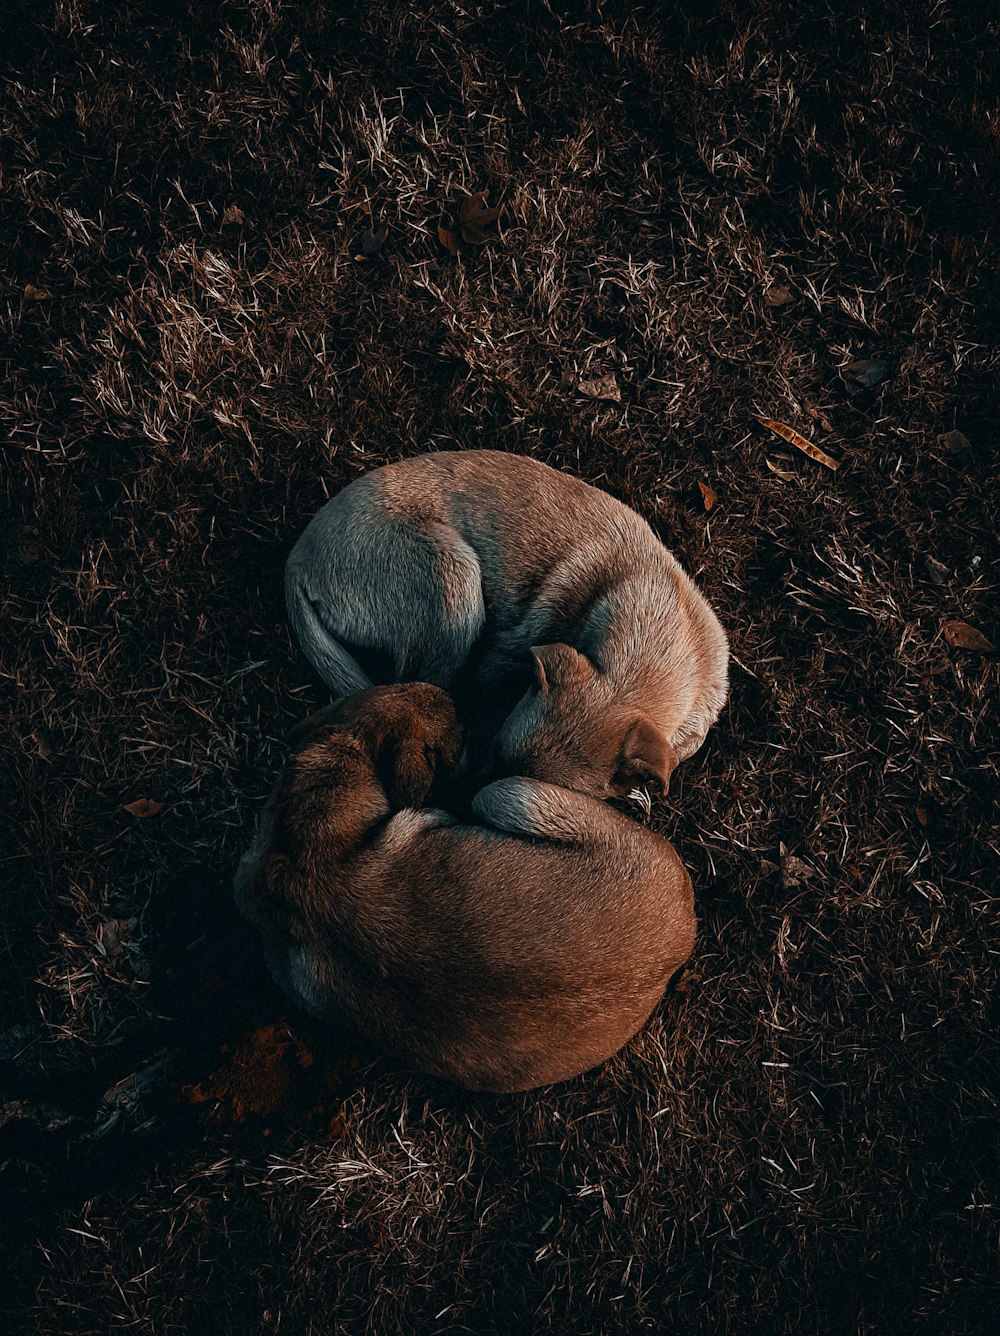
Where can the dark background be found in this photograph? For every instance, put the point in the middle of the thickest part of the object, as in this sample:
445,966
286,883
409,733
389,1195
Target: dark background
722,206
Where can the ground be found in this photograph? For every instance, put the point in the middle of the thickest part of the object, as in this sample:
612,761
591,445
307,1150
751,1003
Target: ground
709,215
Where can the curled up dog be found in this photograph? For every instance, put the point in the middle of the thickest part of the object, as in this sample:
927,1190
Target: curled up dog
503,953
467,568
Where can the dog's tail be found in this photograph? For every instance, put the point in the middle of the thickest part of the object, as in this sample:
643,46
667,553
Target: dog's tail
335,664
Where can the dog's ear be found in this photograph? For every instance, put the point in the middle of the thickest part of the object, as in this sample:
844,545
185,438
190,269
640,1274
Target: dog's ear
645,756
559,666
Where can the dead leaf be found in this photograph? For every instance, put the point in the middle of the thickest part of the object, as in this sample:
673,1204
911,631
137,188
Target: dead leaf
372,241
938,571
778,295
601,387
337,1127
34,294
113,934
796,438
819,416
476,217
707,495
686,980
233,214
783,474
448,236
793,870
143,807
964,636
955,441
865,373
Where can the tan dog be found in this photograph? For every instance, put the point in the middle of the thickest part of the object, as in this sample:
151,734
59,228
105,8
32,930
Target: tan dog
503,955
449,568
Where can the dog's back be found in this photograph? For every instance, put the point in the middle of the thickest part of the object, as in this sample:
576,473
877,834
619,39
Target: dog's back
503,954
476,556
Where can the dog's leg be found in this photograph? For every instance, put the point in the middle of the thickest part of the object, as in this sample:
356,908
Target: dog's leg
334,663
523,806
408,589
447,571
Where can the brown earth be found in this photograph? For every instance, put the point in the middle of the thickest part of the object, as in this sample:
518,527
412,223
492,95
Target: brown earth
708,215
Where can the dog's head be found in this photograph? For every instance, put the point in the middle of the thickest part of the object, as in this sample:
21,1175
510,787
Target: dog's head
568,729
392,745
409,731
418,743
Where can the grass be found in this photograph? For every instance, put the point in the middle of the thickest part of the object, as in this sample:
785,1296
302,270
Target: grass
804,1139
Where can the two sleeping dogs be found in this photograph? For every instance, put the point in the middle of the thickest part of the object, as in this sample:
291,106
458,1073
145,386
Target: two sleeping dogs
528,942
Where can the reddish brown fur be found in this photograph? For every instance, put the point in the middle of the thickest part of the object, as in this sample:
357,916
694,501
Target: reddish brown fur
502,955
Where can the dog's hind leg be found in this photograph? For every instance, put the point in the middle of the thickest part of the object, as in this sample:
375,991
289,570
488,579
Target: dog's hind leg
455,613
363,583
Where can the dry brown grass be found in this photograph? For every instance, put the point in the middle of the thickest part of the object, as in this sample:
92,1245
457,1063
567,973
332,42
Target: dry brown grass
805,1139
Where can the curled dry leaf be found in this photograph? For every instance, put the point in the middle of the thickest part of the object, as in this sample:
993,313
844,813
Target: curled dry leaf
778,295
42,739
112,935
937,570
707,495
926,810
372,241
448,235
476,217
143,807
866,372
819,416
686,980
963,636
955,441
796,438
793,870
601,387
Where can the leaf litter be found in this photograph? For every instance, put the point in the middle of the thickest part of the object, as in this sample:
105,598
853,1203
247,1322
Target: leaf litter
963,636
601,387
800,442
143,808
476,218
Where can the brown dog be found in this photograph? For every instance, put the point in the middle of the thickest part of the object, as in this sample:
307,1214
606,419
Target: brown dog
504,954
462,565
